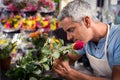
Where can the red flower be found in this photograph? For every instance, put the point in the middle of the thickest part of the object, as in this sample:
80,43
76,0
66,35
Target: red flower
78,45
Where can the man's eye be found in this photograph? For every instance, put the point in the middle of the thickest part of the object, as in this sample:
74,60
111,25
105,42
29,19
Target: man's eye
71,30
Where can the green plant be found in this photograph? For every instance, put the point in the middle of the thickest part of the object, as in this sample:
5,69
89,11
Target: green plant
6,50
39,60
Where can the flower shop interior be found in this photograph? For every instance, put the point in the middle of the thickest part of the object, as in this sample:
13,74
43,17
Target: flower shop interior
31,37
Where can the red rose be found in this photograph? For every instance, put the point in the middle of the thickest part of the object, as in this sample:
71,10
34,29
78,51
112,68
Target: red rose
78,45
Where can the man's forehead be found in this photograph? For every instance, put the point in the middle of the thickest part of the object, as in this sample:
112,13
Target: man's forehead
66,21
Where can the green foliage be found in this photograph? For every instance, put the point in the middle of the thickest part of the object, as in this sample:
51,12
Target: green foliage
37,61
5,52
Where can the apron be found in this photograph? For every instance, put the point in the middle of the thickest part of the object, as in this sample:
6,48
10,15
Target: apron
100,67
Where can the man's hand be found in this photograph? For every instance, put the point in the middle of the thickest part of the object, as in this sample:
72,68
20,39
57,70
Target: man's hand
61,67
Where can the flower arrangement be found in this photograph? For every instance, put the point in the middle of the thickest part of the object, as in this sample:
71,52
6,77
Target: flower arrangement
11,23
46,5
38,39
28,24
50,24
7,2
16,6
39,58
30,5
33,22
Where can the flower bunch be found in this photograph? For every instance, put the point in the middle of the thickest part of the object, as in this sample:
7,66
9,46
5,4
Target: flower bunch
30,5
33,22
50,24
28,24
35,64
7,2
46,5
12,22
15,6
38,39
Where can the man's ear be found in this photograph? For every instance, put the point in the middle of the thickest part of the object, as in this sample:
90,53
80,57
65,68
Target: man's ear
87,21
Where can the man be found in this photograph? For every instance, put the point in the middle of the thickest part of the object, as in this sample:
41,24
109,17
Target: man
102,43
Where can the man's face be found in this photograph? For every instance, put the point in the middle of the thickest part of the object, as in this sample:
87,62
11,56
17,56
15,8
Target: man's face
75,31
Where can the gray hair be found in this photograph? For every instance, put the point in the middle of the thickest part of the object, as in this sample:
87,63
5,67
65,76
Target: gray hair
77,9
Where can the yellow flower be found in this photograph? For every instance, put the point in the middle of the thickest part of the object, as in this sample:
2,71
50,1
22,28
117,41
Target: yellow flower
53,27
16,25
29,22
3,21
44,23
18,16
56,40
2,41
38,19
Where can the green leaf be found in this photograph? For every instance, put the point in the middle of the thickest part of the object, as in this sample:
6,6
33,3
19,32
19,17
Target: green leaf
45,50
43,60
56,54
38,72
30,67
61,41
46,67
16,73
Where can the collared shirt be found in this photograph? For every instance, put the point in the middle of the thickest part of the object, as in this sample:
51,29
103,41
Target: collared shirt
113,48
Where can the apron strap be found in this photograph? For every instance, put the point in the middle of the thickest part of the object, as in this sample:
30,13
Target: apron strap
106,42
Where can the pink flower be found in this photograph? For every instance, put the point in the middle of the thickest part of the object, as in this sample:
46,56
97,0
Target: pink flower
78,45
12,7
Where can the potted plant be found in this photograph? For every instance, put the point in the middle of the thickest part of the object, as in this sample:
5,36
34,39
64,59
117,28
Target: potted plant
5,51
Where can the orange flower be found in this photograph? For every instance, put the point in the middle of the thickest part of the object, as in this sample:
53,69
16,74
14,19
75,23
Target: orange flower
36,36
32,35
37,32
45,34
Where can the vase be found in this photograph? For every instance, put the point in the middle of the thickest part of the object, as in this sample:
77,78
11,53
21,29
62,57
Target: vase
5,63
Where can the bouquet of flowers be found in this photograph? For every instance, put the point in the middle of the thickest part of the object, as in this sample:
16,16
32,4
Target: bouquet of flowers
33,22
7,2
46,5
16,6
38,39
31,5
28,24
12,23
36,63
